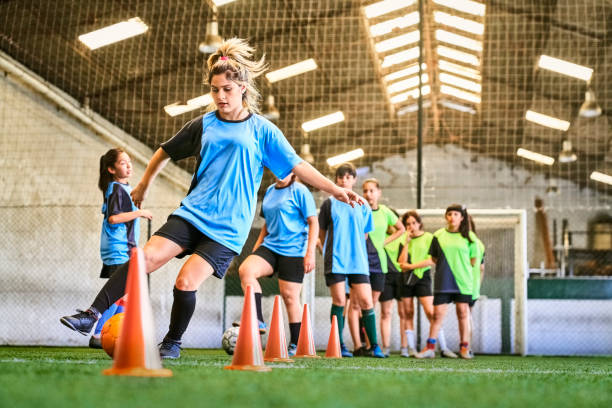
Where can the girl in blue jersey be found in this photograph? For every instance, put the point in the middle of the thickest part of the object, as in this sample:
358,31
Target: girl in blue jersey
286,245
454,251
232,144
343,231
121,225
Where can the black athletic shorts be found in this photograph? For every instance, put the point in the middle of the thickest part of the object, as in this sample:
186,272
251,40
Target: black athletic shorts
377,281
289,268
473,302
392,287
414,287
332,278
108,270
180,231
443,298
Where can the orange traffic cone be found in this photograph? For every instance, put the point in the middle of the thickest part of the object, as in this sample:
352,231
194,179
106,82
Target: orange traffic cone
136,353
248,354
306,346
333,345
276,348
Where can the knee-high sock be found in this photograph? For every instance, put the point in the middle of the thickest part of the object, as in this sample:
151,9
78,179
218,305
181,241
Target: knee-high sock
369,321
338,311
108,313
258,307
113,290
182,310
294,328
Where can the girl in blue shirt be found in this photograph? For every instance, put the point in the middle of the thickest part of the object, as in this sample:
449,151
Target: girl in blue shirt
232,144
286,245
121,225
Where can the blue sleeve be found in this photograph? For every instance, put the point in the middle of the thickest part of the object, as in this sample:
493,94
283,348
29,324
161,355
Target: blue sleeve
325,215
278,155
369,221
305,201
119,201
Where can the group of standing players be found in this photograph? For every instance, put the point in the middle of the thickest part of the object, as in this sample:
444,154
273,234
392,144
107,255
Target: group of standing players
232,144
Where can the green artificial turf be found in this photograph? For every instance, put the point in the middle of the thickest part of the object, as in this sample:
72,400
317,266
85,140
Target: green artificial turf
65,377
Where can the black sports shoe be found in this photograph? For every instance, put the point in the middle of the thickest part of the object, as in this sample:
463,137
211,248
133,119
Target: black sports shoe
81,322
95,342
361,352
169,348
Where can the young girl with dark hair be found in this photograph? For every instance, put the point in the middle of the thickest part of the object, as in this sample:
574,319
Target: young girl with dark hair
417,281
454,251
121,225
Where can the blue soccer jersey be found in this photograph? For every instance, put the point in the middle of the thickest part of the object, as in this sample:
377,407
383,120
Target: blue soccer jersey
231,156
286,211
344,250
116,240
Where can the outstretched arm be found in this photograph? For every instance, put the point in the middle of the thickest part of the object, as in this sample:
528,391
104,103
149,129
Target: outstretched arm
156,164
310,175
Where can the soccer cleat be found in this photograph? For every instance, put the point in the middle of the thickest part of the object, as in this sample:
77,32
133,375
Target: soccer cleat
81,322
387,351
169,348
345,352
376,352
95,342
466,353
426,353
291,349
412,352
446,353
261,325
404,352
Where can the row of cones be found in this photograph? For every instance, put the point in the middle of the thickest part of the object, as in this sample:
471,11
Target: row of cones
136,353
248,351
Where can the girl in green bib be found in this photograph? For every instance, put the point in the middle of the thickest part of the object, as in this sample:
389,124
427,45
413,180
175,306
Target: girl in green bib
454,251
415,263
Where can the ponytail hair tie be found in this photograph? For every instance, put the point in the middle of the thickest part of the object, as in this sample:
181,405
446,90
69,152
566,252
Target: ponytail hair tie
223,58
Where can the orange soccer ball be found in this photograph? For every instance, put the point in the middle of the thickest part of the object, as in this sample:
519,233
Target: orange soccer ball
111,332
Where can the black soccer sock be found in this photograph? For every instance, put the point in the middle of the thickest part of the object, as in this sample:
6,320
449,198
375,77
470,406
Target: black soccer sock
338,311
258,306
369,321
294,328
113,290
182,310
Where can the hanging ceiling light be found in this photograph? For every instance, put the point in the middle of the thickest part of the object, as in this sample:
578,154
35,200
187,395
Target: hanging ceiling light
567,155
590,108
270,111
212,41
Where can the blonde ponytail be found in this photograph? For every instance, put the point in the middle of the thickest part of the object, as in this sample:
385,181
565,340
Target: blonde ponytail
234,59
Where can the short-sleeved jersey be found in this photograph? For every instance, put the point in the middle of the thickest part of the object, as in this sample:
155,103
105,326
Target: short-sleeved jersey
231,156
393,249
479,261
418,250
383,217
116,240
453,253
344,249
286,211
